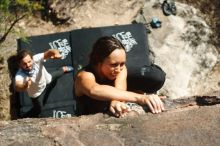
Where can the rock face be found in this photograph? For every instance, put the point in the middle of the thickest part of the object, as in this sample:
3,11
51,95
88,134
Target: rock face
66,15
86,13
189,60
211,11
191,125
184,38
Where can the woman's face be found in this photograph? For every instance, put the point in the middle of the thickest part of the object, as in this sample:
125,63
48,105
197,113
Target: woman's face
113,64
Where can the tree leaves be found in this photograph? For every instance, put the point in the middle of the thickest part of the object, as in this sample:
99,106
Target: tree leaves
12,11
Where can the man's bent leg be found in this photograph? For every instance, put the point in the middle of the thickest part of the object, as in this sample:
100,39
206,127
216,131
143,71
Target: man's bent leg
56,74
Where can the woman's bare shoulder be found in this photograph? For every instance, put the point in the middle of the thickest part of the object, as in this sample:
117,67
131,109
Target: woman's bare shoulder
83,81
85,75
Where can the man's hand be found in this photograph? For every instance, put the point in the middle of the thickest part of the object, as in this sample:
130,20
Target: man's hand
56,54
118,109
52,53
28,82
21,86
153,101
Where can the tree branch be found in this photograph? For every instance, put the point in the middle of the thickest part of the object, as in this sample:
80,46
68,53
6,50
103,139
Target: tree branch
2,39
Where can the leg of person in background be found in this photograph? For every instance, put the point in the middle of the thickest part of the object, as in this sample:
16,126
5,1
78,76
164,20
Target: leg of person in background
35,110
55,75
58,73
148,79
154,79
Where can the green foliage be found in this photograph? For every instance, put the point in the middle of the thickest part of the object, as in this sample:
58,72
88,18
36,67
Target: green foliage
12,11
26,5
4,4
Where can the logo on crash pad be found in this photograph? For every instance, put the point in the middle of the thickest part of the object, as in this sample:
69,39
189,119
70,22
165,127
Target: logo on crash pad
126,39
62,45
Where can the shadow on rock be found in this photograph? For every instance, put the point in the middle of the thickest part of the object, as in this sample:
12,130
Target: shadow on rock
14,100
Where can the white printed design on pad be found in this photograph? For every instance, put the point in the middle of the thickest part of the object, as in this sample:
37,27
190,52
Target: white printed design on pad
126,39
62,45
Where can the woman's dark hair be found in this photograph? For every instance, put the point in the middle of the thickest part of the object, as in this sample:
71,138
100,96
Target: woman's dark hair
23,53
102,48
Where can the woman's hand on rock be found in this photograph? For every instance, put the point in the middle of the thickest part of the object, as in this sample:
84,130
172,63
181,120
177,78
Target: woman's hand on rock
153,101
118,109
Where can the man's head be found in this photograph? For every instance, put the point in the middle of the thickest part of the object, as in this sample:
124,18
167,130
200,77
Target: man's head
25,59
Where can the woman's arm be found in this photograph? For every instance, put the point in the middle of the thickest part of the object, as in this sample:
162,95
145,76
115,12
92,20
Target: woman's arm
153,101
121,79
85,84
118,108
